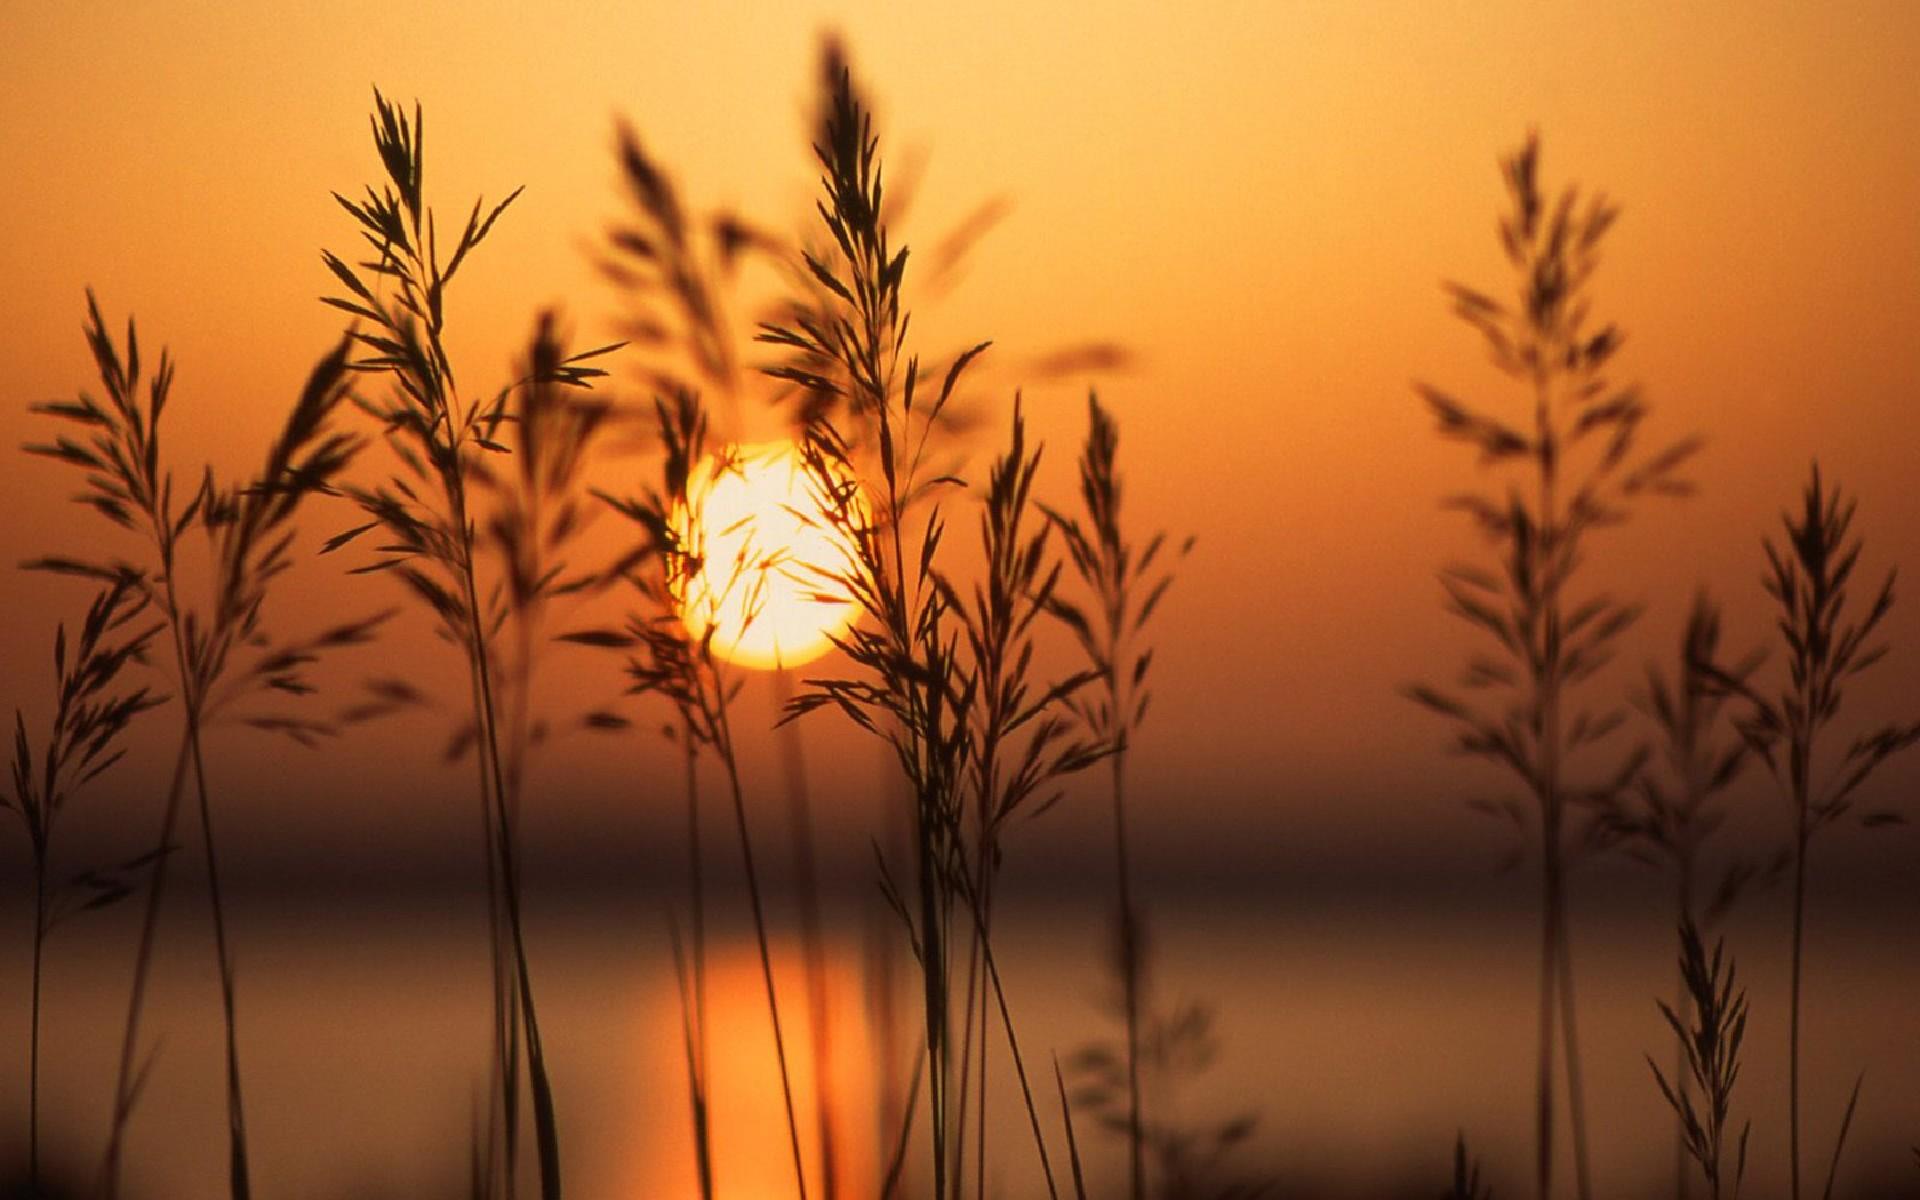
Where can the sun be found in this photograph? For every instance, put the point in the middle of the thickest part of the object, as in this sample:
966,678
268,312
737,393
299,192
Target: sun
764,546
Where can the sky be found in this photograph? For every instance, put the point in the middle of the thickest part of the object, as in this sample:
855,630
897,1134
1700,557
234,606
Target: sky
1257,201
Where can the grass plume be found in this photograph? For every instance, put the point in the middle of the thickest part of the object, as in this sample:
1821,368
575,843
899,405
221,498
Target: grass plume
1570,468
1711,1029
1125,583
429,517
222,654
1828,645
92,712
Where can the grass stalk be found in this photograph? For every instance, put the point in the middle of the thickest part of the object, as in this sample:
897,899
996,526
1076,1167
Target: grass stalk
90,719
221,656
813,949
436,437
1572,470
669,662
1828,645
1126,585
129,1077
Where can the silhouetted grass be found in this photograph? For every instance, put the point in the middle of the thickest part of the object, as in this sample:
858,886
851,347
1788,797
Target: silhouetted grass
670,662
1674,808
440,438
1711,1029
1466,1175
941,668
1572,470
674,290
1169,1048
222,655
1126,583
1827,646
90,718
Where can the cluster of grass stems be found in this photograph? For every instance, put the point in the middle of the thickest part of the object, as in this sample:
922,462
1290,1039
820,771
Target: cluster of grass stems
477,510
1573,470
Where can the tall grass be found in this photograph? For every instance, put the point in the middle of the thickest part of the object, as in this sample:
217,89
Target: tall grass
1570,468
1677,804
669,662
1827,646
1126,583
1466,1175
941,669
222,654
91,714
673,279
431,519
1711,1027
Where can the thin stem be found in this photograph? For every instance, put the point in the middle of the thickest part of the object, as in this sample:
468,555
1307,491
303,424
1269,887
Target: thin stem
697,1001
724,746
238,1172
1793,1007
934,993
1129,973
503,1116
1570,1034
980,1130
1543,1081
546,1133
33,1043
1013,1042
1682,1177
812,944
125,1084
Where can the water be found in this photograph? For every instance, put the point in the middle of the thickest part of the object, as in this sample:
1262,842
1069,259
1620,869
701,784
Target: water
1362,1040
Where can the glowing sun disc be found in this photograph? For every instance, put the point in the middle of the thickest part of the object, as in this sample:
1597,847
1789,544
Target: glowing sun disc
764,544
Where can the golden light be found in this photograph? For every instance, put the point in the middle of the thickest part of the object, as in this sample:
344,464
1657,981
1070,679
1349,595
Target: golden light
764,544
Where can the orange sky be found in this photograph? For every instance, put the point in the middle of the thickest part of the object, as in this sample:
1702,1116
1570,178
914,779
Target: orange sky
1258,200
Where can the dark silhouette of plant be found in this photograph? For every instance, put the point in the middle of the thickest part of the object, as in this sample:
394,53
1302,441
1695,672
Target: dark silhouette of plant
1466,1175
1827,646
1711,1032
668,661
222,654
1023,737
674,281
846,353
1571,470
91,714
1673,809
430,516
1127,583
1169,1049
924,660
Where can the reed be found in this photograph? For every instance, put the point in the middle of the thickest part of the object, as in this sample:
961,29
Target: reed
1711,1029
1677,804
1126,583
666,660
1570,469
1828,645
1024,739
429,513
1466,1175
673,275
91,715
222,654
1186,1157
941,669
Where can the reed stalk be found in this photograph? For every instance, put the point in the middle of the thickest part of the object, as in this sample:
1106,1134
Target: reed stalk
433,533
1571,469
92,712
1827,646
222,654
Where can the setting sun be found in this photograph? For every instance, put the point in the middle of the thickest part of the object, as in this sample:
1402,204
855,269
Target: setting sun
764,545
